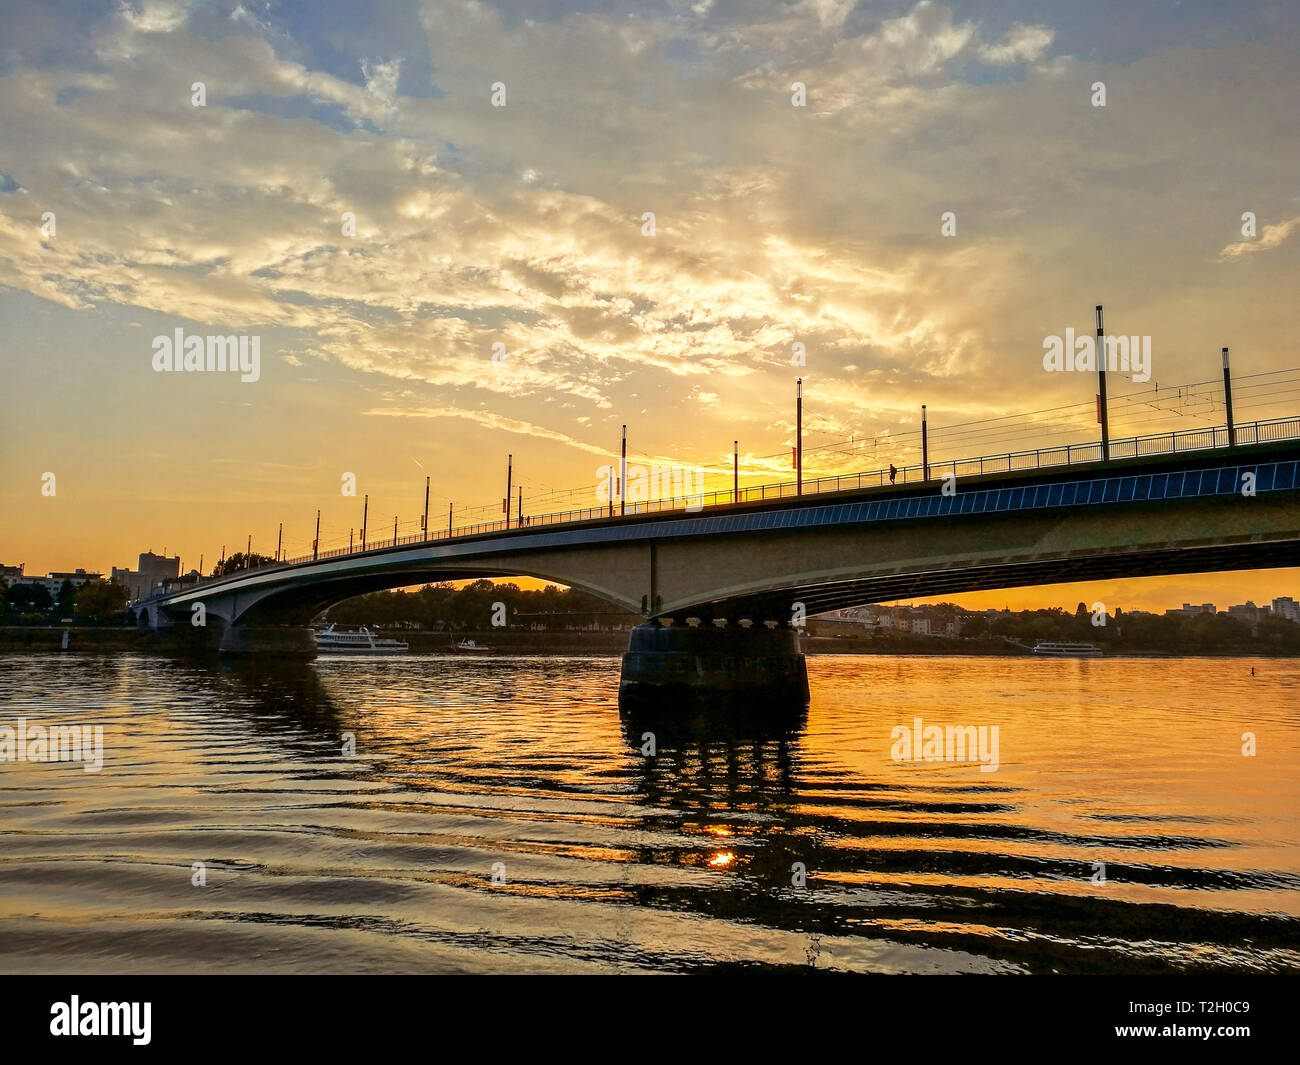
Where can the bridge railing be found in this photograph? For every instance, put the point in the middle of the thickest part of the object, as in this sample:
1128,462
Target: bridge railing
1065,455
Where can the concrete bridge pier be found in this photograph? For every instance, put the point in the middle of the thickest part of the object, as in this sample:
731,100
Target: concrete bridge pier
268,641
680,663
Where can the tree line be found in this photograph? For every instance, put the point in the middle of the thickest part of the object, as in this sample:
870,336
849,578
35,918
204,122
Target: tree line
1172,633
94,602
473,607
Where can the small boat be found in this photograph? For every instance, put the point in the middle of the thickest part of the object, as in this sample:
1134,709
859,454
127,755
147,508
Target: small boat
363,641
1048,649
469,647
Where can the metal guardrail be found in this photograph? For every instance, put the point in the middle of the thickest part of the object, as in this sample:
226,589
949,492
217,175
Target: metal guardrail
1173,443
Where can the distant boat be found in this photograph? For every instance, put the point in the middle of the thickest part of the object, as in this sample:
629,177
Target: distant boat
1048,649
363,641
469,647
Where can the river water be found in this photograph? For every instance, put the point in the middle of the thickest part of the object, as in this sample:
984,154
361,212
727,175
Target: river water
499,815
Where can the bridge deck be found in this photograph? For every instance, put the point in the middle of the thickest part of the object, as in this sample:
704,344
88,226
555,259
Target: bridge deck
1187,475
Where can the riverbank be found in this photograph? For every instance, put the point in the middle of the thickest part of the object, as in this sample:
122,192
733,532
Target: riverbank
906,644
50,638
88,640
519,642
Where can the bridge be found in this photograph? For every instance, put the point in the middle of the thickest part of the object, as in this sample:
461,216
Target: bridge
722,581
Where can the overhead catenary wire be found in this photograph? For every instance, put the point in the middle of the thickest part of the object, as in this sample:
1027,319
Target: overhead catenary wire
1132,414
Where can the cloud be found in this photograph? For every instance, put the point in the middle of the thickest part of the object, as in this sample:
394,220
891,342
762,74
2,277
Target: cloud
521,225
917,43
381,79
154,16
492,420
1020,44
1271,237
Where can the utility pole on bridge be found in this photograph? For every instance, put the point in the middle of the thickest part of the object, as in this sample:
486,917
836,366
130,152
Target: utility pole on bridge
315,544
925,446
798,440
424,522
1103,414
505,503
1227,400
365,516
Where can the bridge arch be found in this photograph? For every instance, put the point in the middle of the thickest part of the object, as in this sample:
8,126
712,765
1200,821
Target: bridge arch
299,604
147,615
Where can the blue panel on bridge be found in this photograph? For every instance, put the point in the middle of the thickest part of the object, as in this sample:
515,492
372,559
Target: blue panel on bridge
1270,477
1126,488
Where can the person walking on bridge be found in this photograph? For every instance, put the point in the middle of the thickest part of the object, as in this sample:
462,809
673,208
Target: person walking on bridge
893,472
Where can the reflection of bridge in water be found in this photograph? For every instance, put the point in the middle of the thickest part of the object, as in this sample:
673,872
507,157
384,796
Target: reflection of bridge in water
720,584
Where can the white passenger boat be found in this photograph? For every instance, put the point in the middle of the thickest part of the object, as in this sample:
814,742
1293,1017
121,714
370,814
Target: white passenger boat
1048,649
363,641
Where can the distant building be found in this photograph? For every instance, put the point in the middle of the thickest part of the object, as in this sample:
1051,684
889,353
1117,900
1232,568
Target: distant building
53,582
852,616
1286,608
11,574
1192,608
171,584
151,571
48,583
1247,612
78,577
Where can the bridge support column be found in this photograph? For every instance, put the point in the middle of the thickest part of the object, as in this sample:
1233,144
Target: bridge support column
670,665
269,641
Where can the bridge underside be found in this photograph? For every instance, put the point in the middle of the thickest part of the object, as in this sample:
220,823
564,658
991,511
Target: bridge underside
1067,570
299,606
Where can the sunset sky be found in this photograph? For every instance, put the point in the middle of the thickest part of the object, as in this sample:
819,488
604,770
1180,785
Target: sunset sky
523,225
